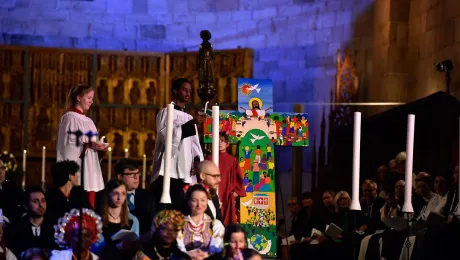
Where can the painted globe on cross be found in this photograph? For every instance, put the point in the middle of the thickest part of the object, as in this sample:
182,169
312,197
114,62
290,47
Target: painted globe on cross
259,242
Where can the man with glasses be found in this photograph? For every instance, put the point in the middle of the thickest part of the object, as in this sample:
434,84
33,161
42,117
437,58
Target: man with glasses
209,176
140,202
370,206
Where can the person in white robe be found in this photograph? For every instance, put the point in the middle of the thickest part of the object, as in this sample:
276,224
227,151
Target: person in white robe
186,148
80,99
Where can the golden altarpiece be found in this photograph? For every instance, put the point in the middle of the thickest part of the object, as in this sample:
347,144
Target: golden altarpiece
130,89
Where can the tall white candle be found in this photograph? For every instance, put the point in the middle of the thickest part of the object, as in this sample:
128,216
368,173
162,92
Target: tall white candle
43,165
144,170
24,169
355,205
126,153
407,207
165,196
458,191
109,167
215,135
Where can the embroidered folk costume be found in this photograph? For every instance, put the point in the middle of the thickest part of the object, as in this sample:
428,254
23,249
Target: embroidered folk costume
67,225
206,235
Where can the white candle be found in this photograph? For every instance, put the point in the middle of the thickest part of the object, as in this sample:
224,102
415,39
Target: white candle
126,153
215,135
144,170
407,207
43,165
355,205
165,196
109,167
24,158
458,191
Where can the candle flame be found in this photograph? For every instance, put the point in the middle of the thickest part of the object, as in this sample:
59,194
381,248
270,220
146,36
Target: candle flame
144,155
44,147
25,151
110,149
126,150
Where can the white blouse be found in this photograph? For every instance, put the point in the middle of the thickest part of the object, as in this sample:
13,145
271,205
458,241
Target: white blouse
197,234
67,148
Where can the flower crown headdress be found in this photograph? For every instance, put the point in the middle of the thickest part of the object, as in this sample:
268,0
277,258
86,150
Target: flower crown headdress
71,221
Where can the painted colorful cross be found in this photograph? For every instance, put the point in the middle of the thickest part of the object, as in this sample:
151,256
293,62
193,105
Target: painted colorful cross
257,130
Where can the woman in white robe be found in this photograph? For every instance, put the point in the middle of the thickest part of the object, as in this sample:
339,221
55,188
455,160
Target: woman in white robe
79,100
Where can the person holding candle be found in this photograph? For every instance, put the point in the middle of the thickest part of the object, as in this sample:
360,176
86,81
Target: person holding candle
79,101
185,146
140,202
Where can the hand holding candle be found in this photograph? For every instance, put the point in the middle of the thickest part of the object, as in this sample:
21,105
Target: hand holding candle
126,153
407,207
355,205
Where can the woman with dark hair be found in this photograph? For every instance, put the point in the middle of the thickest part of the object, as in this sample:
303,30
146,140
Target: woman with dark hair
115,217
67,194
35,254
200,234
235,242
163,245
79,101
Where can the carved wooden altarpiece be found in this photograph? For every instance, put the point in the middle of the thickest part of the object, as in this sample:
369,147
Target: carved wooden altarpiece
130,89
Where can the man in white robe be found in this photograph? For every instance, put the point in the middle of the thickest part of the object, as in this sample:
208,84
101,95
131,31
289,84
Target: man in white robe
186,148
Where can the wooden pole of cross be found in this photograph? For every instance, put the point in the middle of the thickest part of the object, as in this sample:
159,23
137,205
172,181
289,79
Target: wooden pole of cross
257,130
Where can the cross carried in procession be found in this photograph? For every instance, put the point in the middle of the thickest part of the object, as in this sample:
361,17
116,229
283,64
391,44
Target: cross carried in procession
257,130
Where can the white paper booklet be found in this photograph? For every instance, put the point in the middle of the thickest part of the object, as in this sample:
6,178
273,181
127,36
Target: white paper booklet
333,230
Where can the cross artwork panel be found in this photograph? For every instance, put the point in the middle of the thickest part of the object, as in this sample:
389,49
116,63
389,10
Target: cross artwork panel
257,129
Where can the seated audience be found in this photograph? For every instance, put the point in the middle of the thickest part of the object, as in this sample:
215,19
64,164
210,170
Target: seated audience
370,208
35,254
140,202
200,233
68,235
115,217
5,253
67,193
32,230
10,197
235,242
163,244
209,175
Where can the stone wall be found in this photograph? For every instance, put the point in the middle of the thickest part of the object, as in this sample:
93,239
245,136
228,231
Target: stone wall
295,41
434,35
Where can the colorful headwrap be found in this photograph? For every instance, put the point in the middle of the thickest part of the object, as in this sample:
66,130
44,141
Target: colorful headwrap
176,217
71,221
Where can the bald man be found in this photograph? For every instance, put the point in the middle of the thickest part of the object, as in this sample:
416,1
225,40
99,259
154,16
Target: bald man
209,174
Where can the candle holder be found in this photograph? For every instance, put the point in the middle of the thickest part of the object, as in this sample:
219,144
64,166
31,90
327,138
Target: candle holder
90,135
205,64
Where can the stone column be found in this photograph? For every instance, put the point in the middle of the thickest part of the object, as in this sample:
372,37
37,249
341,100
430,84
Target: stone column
390,46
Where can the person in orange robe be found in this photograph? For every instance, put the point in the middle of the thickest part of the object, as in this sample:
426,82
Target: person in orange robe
231,185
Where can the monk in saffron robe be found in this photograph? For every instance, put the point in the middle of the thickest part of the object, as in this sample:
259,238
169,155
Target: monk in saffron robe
231,185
